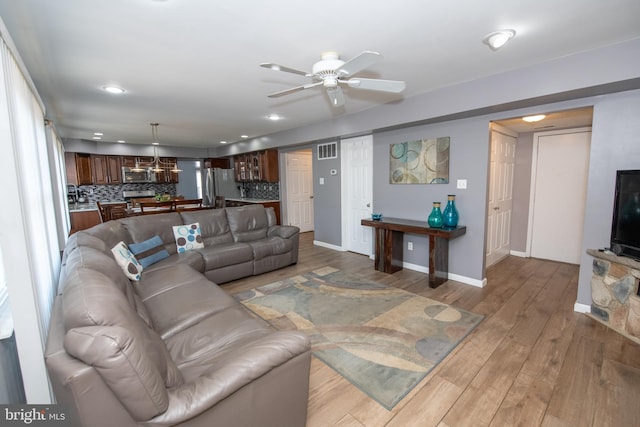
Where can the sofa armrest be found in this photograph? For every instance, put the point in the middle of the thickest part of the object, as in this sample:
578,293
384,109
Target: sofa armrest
284,231
246,364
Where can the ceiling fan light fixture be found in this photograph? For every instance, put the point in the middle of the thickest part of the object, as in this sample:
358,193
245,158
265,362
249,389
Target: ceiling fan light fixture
533,119
497,39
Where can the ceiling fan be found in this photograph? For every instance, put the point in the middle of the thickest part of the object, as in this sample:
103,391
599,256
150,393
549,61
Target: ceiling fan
331,71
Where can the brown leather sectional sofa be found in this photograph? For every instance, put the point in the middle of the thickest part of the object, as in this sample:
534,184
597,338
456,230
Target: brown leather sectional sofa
173,348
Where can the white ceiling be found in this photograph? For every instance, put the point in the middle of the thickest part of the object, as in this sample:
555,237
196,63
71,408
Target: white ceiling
193,65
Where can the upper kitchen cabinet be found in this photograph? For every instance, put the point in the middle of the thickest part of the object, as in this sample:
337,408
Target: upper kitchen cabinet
78,168
106,169
257,166
220,162
166,175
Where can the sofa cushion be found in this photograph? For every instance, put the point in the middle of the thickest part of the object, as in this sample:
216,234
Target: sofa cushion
247,223
188,237
92,299
180,297
125,259
225,254
143,227
123,362
213,225
149,252
110,232
191,258
270,246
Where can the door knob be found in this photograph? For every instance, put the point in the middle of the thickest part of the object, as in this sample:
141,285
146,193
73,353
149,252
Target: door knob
311,197
496,208
368,205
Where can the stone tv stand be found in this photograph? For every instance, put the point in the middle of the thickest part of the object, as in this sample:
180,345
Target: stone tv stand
615,284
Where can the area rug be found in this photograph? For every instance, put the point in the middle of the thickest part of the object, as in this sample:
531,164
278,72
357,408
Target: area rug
382,339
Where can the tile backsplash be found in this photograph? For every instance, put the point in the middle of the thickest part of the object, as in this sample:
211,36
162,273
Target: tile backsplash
263,190
113,193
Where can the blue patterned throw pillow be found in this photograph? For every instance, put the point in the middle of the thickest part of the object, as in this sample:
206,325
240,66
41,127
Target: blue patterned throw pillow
127,261
188,237
150,251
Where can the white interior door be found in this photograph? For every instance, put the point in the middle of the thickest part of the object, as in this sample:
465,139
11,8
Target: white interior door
299,172
558,194
357,177
500,203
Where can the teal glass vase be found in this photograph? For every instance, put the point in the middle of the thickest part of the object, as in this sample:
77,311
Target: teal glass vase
450,214
435,218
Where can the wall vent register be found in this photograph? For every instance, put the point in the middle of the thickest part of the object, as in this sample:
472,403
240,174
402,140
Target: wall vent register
328,150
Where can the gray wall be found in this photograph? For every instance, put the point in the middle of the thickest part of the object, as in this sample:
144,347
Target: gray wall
327,204
468,159
615,144
187,185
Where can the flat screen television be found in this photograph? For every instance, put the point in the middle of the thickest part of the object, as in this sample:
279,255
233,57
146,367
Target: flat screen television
625,229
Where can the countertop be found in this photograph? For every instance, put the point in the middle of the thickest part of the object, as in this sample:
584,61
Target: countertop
80,207
250,200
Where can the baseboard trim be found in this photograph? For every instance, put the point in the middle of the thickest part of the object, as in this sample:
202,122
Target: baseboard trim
581,308
329,246
462,279
518,254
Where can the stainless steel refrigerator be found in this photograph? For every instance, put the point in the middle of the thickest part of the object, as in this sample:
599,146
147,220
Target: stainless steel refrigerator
219,182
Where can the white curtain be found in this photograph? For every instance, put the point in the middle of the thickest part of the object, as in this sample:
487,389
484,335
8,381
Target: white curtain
29,235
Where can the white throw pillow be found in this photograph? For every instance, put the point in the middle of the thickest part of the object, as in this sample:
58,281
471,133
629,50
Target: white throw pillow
188,237
127,261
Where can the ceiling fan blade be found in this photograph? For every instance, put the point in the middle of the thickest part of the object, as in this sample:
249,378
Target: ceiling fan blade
395,86
336,96
293,90
277,67
360,62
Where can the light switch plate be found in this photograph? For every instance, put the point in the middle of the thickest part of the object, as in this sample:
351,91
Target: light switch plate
462,184
321,181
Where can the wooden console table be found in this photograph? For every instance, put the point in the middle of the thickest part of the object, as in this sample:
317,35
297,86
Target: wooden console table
389,245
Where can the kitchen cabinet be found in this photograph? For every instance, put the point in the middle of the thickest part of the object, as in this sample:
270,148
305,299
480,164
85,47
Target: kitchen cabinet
257,166
166,176
81,220
78,168
106,169
220,162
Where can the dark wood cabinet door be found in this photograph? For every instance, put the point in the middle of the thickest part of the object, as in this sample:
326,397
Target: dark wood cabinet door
99,169
78,168
114,169
220,162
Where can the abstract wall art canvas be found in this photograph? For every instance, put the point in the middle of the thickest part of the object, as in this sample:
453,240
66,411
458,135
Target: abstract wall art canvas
420,162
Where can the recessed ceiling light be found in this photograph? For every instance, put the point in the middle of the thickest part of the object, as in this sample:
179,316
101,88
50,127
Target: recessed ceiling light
113,89
273,117
121,141
155,143
223,142
98,133
536,118
97,137
244,136
497,39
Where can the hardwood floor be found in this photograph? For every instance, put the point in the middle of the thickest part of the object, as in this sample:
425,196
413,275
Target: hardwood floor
533,361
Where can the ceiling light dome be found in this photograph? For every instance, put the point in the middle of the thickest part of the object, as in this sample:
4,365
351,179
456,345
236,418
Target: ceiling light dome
497,39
